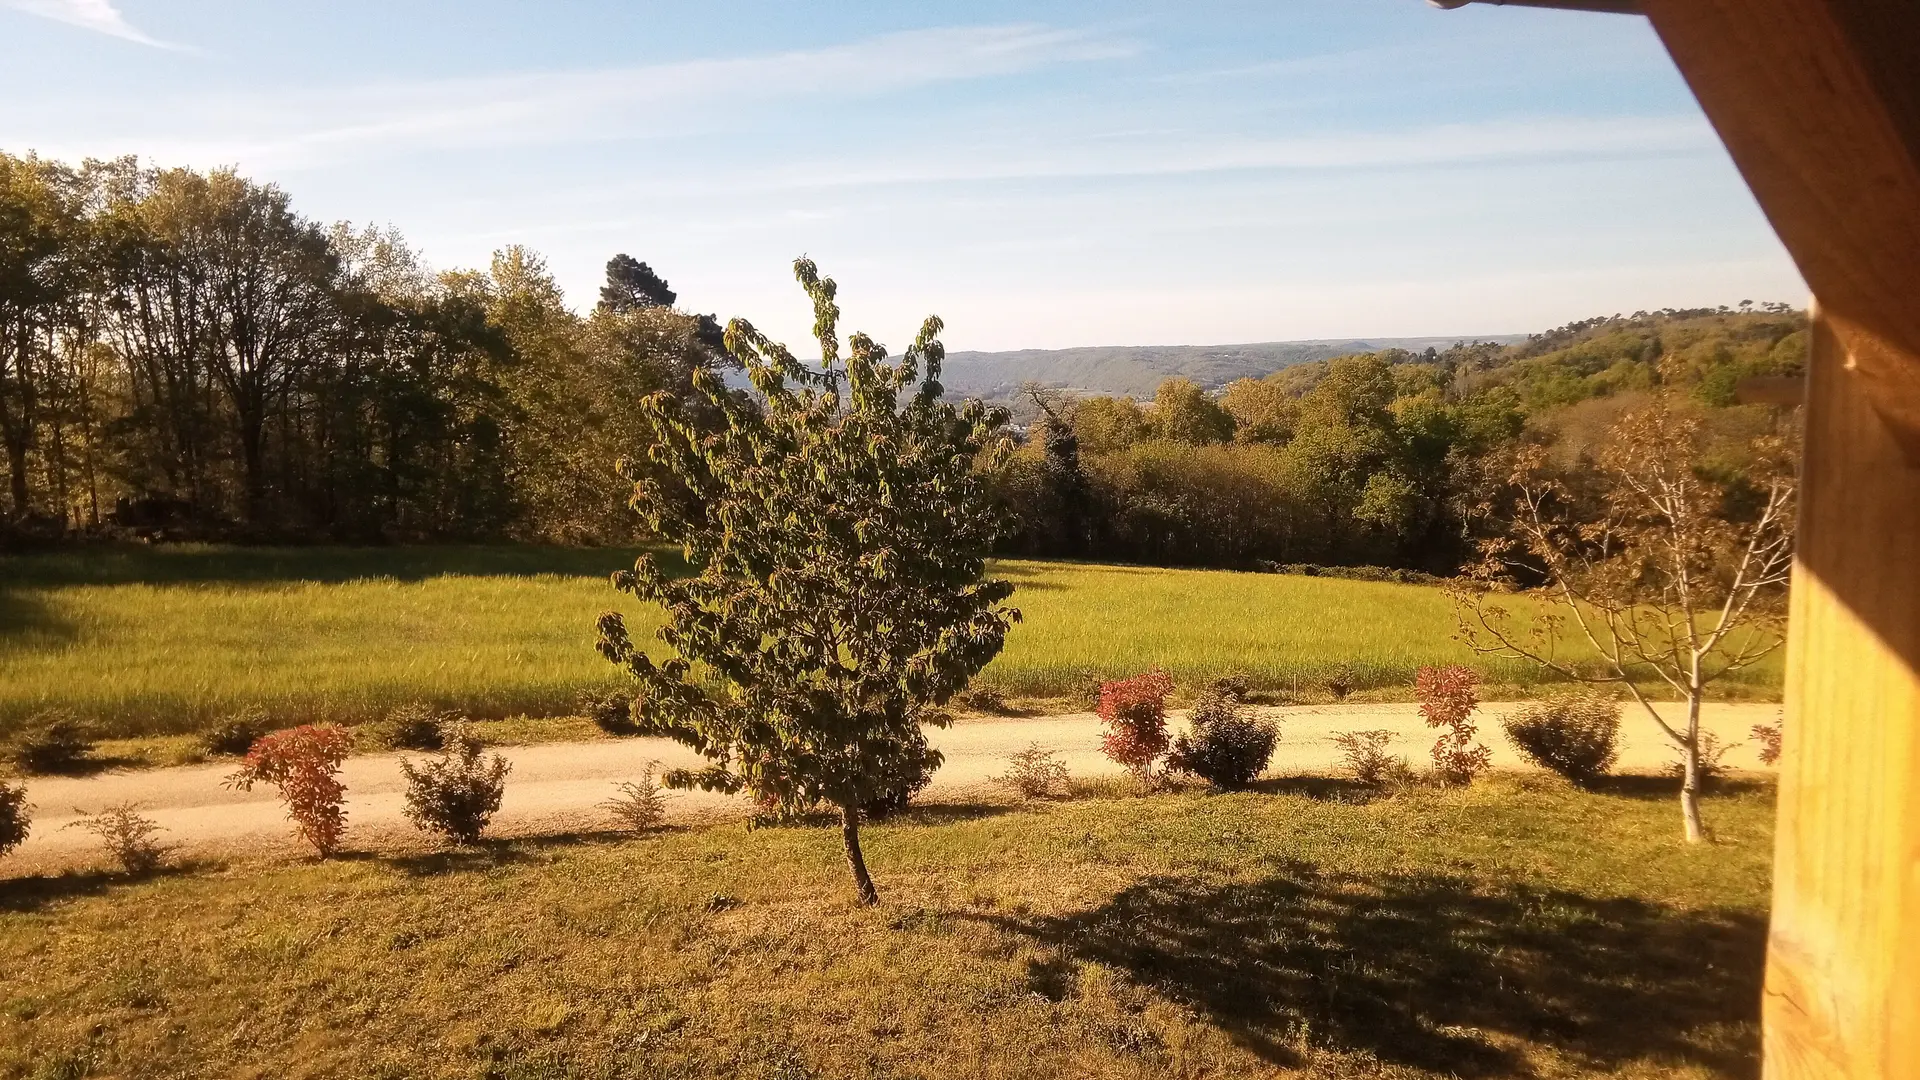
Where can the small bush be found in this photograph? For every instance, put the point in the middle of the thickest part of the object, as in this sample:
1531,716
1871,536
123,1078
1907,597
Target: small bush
1225,747
1448,698
1365,753
985,698
1768,736
1035,773
52,742
1235,687
456,792
1340,682
235,735
1575,734
128,836
16,816
1135,713
640,805
610,710
304,764
407,727
1712,750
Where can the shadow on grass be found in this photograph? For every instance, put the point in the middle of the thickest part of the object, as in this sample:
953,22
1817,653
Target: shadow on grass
24,895
1331,789
106,564
1428,971
27,620
1662,788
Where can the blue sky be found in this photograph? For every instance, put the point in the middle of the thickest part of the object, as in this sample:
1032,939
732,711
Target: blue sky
1040,174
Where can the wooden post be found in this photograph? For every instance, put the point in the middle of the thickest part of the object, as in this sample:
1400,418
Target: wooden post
1843,963
1819,104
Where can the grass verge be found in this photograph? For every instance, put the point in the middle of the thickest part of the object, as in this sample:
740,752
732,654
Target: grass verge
1515,928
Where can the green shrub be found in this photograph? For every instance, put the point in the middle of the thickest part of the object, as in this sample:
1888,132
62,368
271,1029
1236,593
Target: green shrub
407,727
15,816
52,742
640,805
235,735
1035,773
456,792
1224,746
983,697
1575,734
1365,753
128,836
610,710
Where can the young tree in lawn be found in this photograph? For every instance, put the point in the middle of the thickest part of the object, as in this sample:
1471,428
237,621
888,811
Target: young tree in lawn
839,527
1670,559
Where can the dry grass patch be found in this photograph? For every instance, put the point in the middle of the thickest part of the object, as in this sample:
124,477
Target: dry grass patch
1513,928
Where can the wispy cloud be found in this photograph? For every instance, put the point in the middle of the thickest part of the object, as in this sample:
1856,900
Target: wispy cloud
99,16
294,129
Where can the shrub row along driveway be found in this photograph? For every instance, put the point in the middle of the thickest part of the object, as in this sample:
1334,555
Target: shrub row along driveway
558,787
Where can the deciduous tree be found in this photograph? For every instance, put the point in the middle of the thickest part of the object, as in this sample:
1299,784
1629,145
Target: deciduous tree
1669,561
839,527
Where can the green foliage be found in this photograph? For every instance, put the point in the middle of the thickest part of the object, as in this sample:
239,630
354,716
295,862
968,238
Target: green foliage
235,735
610,710
1575,734
456,792
638,806
840,530
1035,773
128,836
51,742
16,816
413,726
1366,757
1224,746
1184,413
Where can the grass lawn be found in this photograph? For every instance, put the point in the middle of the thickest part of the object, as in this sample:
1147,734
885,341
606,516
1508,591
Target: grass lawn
145,641
1518,928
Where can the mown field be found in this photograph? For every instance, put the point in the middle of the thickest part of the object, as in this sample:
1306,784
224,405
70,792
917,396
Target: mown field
1307,929
143,641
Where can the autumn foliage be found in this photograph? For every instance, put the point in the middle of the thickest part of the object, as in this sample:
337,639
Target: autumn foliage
304,763
1135,712
1448,696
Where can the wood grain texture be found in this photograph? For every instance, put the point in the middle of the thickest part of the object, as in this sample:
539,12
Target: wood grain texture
1819,103
1843,970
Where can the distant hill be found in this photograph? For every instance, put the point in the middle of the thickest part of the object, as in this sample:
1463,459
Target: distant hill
1138,370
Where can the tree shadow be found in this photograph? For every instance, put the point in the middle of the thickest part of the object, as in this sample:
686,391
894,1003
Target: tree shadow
115,564
24,895
1427,971
28,621
472,858
1660,788
1333,789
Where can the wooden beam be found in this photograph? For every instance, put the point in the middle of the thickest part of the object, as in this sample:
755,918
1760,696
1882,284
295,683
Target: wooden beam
1819,103
1843,958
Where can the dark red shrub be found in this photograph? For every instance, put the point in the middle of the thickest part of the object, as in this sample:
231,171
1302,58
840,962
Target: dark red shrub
1135,712
304,763
1448,698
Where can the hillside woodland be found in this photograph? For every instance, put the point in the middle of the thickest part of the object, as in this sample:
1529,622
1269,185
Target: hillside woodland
184,356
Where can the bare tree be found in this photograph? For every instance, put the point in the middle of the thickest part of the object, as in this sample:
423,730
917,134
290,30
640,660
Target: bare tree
1669,559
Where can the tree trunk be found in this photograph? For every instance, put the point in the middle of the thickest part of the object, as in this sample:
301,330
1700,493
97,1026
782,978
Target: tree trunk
850,834
17,477
1690,780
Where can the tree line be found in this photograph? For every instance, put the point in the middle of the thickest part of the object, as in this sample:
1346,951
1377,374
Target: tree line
184,355
1384,459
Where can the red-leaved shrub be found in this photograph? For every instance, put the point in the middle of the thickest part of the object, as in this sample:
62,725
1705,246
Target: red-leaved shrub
1448,699
1135,712
304,763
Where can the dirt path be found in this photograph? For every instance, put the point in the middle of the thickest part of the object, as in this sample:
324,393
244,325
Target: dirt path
557,787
